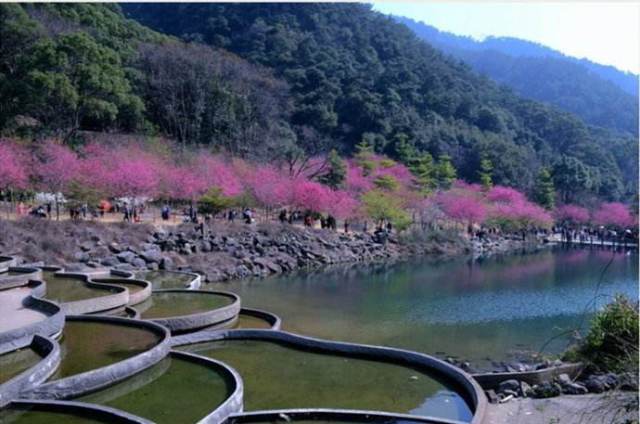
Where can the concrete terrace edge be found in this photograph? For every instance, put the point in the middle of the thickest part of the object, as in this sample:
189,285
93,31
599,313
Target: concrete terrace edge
200,319
493,380
98,378
49,326
134,297
8,261
27,273
270,317
94,304
234,403
111,414
473,391
355,415
33,376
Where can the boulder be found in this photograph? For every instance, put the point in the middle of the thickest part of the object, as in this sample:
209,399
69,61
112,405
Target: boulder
546,390
512,385
139,263
151,256
126,256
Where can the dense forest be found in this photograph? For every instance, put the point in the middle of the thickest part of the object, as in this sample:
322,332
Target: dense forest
277,81
601,96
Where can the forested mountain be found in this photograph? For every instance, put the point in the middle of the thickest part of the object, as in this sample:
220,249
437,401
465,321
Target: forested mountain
270,80
600,95
355,74
66,68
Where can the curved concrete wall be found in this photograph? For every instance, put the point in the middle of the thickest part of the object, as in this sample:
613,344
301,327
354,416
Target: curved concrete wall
134,297
234,402
50,352
271,318
49,326
98,378
471,390
26,274
201,319
328,415
7,261
118,298
103,413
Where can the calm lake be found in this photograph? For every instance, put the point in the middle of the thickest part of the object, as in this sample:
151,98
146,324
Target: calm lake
493,309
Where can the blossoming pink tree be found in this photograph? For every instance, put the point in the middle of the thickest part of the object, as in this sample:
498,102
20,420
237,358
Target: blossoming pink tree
59,168
13,167
462,206
572,214
614,214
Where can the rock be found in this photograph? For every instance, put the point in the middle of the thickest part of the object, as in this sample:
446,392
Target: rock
81,256
205,246
152,266
512,385
628,381
546,390
510,393
525,389
139,263
492,396
115,248
110,261
598,383
126,256
86,246
166,263
151,256
569,387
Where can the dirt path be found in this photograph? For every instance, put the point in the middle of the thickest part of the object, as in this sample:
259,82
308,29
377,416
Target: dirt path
607,408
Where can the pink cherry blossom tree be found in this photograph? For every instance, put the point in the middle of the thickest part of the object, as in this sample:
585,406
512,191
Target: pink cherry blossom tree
59,168
462,206
13,167
572,214
614,214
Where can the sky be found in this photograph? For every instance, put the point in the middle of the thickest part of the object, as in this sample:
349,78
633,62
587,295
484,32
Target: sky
607,33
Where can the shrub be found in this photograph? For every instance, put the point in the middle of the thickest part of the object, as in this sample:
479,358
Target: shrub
612,341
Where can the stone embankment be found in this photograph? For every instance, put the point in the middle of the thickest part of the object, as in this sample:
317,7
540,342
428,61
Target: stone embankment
223,251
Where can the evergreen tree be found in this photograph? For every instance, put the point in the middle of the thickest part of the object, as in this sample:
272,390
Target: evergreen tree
545,193
445,172
337,171
423,169
485,173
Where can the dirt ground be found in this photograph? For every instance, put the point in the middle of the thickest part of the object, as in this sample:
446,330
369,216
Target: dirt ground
607,408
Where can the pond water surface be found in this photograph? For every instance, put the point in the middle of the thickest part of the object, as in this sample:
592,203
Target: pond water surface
175,390
87,345
281,376
171,304
494,309
66,289
17,361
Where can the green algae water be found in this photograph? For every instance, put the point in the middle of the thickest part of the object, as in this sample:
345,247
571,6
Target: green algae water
13,363
133,288
175,390
496,309
87,345
65,289
171,304
19,415
249,321
165,280
279,376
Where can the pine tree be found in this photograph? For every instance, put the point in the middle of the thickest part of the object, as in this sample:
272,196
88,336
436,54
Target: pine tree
445,172
337,171
485,173
422,167
544,191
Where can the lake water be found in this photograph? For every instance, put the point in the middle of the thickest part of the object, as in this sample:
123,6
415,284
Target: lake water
482,311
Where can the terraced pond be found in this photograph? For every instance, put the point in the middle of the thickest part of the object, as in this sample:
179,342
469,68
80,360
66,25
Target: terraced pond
175,390
165,280
278,376
15,415
481,311
66,289
171,304
87,345
13,363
